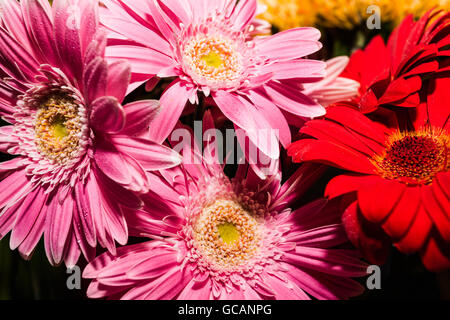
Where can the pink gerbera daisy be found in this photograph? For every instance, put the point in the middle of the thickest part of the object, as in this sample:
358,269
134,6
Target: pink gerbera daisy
221,239
76,154
209,47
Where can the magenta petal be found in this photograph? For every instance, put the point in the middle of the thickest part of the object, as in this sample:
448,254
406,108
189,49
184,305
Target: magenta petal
27,247
16,60
107,115
115,191
11,165
14,22
114,218
38,17
111,163
14,187
27,215
119,76
87,250
95,79
87,205
73,251
67,37
58,225
8,218
89,22
139,115
245,115
173,103
6,139
150,155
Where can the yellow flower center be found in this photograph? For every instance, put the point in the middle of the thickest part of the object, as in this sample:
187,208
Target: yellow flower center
415,157
213,59
58,128
227,234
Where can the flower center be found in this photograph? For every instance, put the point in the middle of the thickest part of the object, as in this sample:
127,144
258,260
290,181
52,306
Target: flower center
415,158
226,234
58,128
213,61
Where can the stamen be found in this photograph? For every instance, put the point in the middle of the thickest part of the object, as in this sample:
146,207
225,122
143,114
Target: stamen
213,59
58,128
226,234
415,157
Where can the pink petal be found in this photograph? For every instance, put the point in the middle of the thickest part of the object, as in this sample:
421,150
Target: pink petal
294,102
273,115
150,155
143,60
243,13
67,37
38,18
73,251
95,79
245,115
59,222
26,216
173,103
107,115
7,141
337,262
115,191
296,69
88,204
119,76
139,115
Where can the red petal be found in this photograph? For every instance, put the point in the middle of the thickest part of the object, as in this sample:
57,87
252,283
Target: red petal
347,183
335,133
331,154
378,199
436,255
400,89
367,237
438,102
417,233
356,121
443,180
436,211
401,219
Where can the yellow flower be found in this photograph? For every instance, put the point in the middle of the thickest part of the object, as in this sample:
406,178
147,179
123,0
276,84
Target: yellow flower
345,14
419,7
288,14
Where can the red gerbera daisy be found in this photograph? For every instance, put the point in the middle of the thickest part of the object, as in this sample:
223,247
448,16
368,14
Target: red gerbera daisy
393,74
400,177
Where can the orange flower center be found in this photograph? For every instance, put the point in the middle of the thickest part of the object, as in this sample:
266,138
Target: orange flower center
415,157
